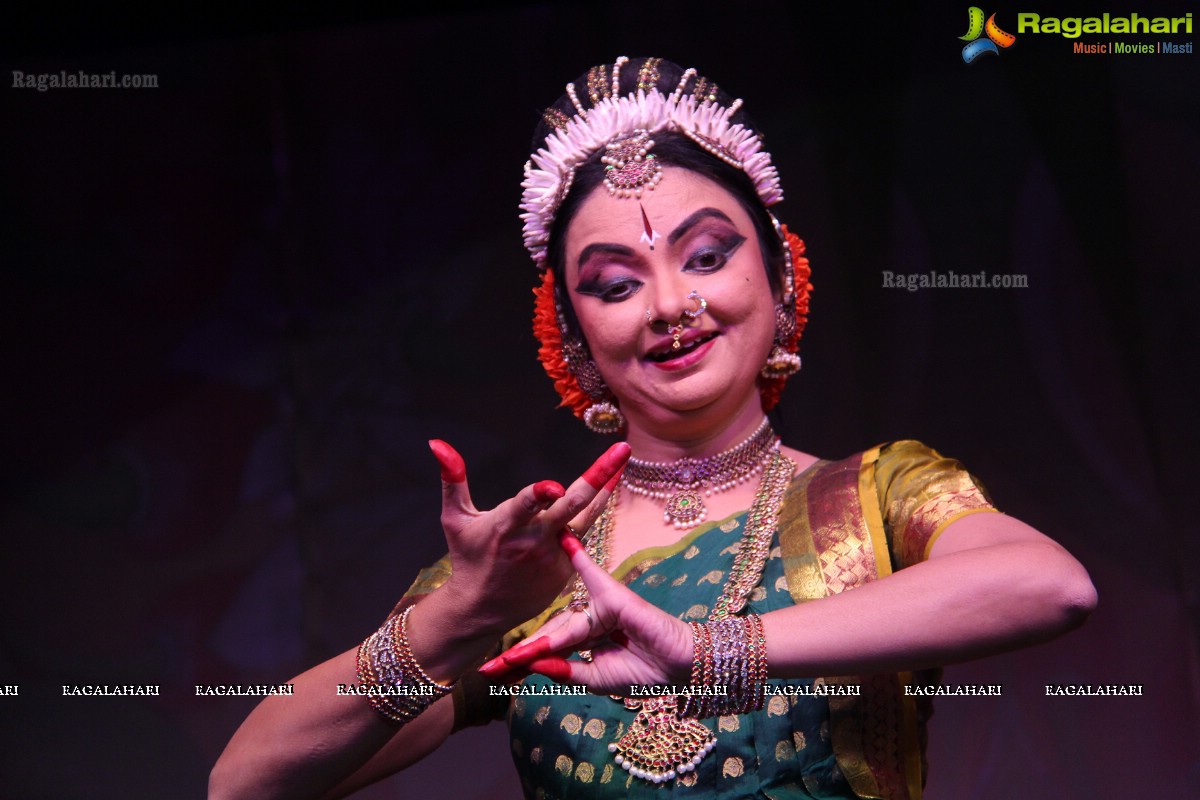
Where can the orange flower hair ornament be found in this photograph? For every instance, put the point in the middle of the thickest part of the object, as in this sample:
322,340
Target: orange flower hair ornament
548,328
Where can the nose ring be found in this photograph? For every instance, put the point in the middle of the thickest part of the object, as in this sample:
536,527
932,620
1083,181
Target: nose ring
686,317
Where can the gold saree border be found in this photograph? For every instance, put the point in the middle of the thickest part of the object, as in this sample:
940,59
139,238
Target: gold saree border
833,538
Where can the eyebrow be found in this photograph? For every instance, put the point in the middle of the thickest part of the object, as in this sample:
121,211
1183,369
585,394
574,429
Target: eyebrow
689,223
612,249
674,236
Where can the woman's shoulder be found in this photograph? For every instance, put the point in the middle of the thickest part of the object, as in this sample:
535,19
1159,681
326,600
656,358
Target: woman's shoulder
904,465
900,450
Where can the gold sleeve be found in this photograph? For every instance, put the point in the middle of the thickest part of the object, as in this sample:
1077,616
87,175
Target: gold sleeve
920,493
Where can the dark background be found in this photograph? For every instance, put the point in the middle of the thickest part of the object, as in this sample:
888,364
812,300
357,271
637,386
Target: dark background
235,307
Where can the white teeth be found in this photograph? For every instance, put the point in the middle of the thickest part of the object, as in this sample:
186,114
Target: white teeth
668,355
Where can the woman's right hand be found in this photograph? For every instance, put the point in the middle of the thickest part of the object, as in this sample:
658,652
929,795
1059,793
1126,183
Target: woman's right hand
507,563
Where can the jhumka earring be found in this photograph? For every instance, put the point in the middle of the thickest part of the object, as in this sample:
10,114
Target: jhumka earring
780,362
602,416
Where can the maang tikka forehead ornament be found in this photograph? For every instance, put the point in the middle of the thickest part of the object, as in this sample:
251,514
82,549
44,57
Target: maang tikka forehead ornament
623,127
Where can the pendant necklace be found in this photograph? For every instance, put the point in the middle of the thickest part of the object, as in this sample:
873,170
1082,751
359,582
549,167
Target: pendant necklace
663,743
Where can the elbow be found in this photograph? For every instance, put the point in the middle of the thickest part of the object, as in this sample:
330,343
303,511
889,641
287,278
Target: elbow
1072,597
224,782
219,783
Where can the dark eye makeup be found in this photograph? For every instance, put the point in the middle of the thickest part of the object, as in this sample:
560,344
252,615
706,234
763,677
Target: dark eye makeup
703,259
711,258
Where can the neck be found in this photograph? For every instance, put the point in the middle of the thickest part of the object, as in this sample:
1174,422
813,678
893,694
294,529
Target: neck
692,434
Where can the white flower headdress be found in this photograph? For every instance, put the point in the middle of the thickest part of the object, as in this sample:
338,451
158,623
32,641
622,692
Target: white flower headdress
613,118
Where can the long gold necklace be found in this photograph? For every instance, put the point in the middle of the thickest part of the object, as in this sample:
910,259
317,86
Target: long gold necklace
661,743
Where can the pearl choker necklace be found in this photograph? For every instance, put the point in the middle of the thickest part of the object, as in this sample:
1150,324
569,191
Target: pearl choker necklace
684,483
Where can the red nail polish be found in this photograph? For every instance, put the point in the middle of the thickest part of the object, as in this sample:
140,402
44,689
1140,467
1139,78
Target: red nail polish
570,542
454,469
556,669
599,473
524,653
546,492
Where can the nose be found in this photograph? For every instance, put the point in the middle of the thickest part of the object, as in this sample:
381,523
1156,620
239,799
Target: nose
674,304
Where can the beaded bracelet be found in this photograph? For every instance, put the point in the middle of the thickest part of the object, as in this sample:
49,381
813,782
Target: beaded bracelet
396,685
729,653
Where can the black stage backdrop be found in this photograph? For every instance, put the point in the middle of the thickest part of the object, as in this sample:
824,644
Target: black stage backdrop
236,306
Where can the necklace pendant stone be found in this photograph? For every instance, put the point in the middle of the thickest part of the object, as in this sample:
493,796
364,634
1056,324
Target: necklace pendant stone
685,508
660,744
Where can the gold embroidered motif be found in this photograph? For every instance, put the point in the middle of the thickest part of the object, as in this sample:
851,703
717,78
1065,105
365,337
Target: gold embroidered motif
687,779
657,579
696,612
728,723
776,552
541,714
606,773
714,577
594,728
564,765
585,772
758,594
932,515
691,552
781,584
777,706
518,707
784,751
571,724
535,755
844,557
733,767
798,740
729,527
680,581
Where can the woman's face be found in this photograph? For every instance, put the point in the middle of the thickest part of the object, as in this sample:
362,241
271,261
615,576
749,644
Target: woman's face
703,241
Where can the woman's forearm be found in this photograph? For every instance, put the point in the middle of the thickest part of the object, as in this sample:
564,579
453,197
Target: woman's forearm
996,585
302,745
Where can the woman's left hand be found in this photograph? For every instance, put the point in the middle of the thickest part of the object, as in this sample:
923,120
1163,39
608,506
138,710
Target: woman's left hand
632,641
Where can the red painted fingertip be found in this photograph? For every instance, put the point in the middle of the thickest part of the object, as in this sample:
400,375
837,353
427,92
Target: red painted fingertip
493,667
570,542
546,492
612,482
454,469
524,653
619,637
601,472
554,668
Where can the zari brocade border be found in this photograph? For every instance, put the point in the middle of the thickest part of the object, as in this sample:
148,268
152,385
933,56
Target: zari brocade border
833,541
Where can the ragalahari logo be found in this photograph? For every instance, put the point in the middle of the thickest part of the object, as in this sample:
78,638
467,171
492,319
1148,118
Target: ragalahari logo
976,27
